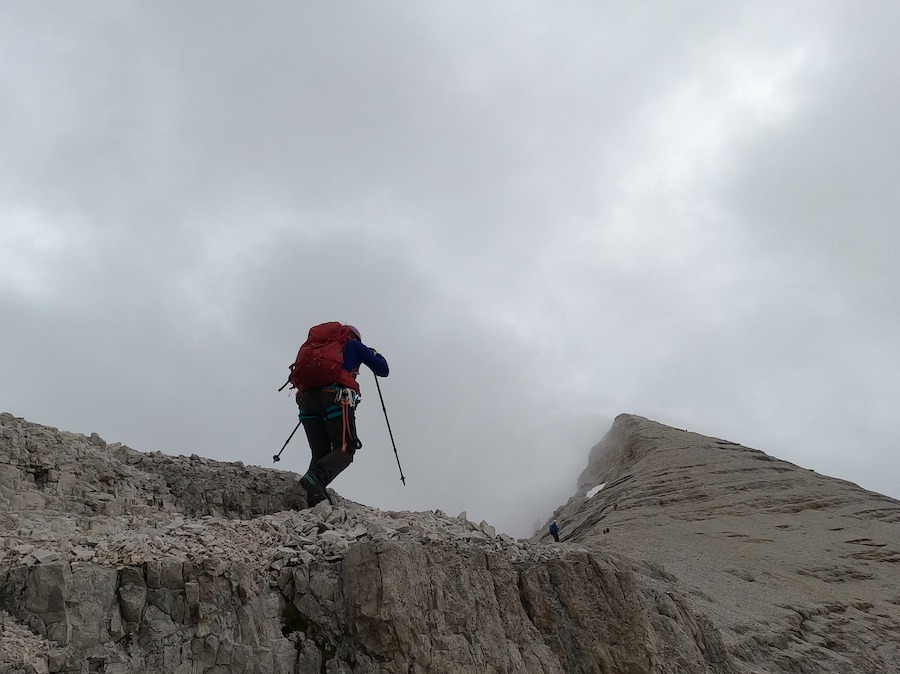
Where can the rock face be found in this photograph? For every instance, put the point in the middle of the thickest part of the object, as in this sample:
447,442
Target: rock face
116,561
798,571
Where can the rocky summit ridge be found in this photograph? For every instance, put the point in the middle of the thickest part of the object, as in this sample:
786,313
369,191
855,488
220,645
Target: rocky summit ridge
679,554
799,572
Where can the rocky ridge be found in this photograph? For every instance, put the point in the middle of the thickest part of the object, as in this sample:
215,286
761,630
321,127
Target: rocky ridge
800,572
117,561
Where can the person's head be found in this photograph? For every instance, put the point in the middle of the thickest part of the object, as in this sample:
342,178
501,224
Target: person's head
354,333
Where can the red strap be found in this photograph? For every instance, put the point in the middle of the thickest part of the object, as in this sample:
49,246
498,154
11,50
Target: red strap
345,426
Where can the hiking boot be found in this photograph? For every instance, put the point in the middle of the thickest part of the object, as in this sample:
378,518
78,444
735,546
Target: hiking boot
315,490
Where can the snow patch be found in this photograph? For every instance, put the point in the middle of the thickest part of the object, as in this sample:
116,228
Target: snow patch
593,491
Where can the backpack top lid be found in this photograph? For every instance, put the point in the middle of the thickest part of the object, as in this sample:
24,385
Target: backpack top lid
327,332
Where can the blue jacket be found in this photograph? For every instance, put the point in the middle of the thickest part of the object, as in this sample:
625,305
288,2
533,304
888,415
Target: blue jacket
357,353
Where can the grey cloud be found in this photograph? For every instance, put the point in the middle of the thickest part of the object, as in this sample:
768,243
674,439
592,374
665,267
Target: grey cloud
542,217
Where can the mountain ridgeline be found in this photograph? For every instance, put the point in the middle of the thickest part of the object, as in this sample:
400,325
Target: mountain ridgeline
678,553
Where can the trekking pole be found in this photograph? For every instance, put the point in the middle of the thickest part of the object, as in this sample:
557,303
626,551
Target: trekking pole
277,457
378,386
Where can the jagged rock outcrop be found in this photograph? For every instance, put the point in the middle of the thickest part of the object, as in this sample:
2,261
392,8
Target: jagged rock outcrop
698,556
800,572
46,470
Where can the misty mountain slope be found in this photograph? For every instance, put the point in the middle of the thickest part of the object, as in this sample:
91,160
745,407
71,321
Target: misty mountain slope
800,572
116,561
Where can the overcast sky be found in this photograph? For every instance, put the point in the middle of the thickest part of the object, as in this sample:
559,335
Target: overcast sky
543,214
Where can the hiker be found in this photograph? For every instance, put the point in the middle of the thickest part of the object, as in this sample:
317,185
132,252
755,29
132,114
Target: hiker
554,531
328,410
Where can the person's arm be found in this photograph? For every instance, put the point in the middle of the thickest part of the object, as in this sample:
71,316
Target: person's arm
356,353
375,361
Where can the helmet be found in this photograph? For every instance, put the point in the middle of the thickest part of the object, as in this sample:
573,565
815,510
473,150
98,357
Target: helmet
355,332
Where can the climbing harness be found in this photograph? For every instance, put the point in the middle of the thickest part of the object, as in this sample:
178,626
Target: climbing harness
345,401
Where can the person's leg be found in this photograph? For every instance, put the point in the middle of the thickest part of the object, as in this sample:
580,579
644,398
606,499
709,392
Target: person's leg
315,406
341,431
317,437
311,414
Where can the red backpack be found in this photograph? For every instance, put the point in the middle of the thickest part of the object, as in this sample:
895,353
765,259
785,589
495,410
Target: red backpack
320,360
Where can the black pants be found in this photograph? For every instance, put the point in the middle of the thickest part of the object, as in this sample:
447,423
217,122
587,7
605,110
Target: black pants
330,430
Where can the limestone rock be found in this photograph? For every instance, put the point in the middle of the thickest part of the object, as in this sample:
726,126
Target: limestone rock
799,571
122,562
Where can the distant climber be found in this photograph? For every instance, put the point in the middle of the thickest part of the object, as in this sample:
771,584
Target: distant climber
554,531
324,374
